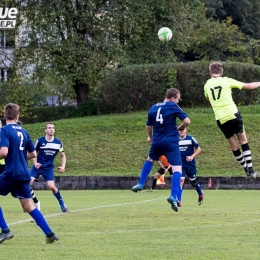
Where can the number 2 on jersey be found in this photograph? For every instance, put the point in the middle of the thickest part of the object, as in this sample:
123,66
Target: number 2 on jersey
21,142
159,117
218,88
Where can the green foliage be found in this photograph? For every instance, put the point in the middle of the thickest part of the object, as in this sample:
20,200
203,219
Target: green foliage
220,41
51,113
13,92
69,47
135,88
72,44
244,13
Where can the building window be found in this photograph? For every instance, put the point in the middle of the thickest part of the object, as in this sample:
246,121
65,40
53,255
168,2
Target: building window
4,73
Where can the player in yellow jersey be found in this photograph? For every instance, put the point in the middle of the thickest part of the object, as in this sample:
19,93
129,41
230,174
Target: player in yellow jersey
218,90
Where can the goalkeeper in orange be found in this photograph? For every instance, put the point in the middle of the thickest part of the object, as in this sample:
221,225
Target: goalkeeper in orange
165,167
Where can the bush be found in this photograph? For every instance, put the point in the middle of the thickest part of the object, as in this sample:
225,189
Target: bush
46,114
137,87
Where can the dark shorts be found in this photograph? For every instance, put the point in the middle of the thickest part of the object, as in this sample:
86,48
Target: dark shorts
47,174
170,150
232,127
189,171
2,168
18,189
162,171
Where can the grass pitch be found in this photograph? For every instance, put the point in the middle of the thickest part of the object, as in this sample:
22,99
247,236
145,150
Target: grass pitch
120,224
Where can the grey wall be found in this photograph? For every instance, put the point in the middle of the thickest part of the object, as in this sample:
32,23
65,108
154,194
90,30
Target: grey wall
106,182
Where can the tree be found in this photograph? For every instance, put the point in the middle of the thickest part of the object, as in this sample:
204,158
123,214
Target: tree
66,39
244,13
77,39
220,41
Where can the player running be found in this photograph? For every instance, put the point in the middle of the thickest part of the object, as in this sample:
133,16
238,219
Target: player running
47,147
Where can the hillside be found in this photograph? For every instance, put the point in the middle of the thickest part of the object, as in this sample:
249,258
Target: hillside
115,145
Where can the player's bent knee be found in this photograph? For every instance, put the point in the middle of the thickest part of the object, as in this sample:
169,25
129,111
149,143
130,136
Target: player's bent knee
194,182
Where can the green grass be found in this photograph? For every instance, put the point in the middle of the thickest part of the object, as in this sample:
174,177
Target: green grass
115,145
105,224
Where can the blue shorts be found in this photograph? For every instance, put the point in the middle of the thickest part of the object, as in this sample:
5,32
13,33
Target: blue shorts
170,150
47,174
19,189
189,171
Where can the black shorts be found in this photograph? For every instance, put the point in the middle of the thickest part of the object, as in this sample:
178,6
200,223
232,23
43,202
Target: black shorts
162,171
2,168
232,127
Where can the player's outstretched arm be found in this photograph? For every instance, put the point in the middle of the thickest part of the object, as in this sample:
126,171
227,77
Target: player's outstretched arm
185,123
251,85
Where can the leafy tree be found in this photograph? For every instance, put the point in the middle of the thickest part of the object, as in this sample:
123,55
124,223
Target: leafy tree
13,91
67,40
220,41
76,40
244,13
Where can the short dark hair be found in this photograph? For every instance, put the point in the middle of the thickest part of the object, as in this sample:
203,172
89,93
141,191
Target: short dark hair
216,67
172,93
11,111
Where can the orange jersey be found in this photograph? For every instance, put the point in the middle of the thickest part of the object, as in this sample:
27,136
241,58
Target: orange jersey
164,161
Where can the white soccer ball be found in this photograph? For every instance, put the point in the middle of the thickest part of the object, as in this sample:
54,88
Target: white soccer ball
165,34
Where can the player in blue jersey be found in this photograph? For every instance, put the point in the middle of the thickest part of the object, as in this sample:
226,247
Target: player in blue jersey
47,147
163,135
16,148
2,168
189,149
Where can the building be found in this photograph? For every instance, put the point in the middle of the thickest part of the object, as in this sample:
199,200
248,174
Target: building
7,43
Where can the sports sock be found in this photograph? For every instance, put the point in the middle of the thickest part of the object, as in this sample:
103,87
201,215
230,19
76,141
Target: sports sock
40,221
58,196
240,158
179,195
3,223
247,155
154,183
175,185
198,189
35,200
147,167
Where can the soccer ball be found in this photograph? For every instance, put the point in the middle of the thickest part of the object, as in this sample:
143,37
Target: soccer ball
165,34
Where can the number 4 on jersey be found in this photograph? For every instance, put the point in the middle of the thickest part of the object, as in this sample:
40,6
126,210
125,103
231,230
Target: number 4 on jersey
159,117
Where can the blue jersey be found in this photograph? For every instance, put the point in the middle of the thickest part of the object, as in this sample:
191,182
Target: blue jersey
47,151
162,117
18,142
187,146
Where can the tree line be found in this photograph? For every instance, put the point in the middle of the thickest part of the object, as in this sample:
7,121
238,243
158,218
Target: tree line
68,47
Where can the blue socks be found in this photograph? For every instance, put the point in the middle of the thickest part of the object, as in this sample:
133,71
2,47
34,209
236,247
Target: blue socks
198,189
147,167
176,178
58,196
3,224
179,195
40,221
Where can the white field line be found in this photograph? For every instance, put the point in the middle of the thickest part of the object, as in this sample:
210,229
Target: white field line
144,230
